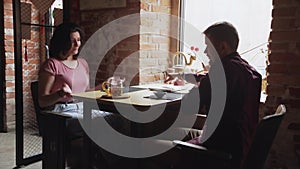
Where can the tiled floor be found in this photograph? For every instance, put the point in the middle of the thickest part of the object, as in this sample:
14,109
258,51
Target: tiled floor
8,152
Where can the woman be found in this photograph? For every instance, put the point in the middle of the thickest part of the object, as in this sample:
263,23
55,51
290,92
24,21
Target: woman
63,73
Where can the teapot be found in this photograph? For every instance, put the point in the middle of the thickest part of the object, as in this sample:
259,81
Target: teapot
113,86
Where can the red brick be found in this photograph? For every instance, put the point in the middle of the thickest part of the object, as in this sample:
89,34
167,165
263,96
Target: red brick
148,46
35,61
160,39
283,23
145,6
8,6
7,1
135,38
158,54
9,48
133,1
8,20
10,72
9,42
294,103
162,9
129,46
294,126
9,25
277,46
8,37
285,2
10,95
290,69
10,61
276,90
295,92
293,68
165,3
285,36
8,12
284,11
284,79
28,66
9,84
284,58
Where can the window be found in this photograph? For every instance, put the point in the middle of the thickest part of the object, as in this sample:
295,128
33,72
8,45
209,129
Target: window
252,20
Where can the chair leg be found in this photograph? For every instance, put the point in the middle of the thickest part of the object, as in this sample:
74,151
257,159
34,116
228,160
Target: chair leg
74,154
54,155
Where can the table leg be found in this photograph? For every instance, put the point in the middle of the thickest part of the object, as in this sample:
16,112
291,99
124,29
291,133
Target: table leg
87,117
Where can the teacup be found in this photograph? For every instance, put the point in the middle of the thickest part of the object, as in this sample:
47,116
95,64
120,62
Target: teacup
116,91
159,94
112,90
113,86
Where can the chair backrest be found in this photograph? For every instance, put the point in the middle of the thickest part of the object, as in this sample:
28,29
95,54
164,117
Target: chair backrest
34,95
263,139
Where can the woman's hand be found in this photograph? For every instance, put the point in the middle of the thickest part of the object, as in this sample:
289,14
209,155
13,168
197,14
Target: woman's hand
179,82
65,91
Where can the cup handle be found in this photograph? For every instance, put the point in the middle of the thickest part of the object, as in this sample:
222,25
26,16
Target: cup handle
105,88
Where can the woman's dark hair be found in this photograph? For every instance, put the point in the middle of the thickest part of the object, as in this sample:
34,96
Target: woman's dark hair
224,31
60,42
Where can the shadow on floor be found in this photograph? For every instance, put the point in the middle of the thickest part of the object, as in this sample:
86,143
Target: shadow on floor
8,151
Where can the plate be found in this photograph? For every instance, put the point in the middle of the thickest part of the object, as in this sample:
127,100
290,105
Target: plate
167,96
124,96
159,89
171,88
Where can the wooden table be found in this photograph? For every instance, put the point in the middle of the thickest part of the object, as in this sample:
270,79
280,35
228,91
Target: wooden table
177,89
139,101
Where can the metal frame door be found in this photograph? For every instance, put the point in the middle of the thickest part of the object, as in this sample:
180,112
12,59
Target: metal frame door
26,152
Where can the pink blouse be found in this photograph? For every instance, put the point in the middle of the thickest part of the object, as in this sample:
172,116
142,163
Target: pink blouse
77,78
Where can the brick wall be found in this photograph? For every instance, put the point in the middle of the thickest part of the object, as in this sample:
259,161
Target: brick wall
155,39
125,50
30,64
284,82
9,67
146,55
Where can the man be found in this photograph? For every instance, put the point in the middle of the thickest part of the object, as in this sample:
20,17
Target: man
234,130
237,124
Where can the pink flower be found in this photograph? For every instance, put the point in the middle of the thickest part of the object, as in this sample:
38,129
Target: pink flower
193,48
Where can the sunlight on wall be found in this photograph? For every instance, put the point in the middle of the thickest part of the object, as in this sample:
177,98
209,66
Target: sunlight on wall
252,20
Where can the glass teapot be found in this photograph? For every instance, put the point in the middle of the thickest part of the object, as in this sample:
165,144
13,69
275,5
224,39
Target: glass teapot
113,86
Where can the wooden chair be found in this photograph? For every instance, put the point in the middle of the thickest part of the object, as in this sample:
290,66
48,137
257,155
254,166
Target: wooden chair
34,95
54,140
263,139
52,127
256,157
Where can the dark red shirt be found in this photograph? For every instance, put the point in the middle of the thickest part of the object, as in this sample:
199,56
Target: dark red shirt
240,117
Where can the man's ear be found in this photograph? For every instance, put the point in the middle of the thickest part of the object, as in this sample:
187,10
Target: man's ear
224,45
225,48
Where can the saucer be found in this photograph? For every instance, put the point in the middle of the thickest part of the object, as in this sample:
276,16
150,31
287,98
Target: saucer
124,96
167,96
